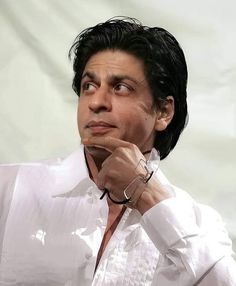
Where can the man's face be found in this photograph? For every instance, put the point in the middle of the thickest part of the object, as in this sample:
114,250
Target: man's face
115,100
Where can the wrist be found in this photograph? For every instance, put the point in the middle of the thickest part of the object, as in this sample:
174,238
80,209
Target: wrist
152,194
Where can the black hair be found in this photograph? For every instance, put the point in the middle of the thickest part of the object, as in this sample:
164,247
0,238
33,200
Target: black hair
164,66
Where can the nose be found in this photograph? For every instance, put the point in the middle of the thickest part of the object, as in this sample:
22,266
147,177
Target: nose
100,101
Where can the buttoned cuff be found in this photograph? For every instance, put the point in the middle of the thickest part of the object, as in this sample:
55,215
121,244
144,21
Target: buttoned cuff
170,221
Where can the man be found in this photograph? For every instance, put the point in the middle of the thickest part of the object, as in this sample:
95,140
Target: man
104,215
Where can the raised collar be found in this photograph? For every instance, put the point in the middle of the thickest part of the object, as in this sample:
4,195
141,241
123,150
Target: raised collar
69,173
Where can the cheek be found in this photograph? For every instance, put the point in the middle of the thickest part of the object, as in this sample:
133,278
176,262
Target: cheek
81,117
139,125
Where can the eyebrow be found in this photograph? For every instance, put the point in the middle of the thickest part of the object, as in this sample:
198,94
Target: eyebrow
89,74
112,78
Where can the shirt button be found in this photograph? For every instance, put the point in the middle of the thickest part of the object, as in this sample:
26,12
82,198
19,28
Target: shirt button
90,193
88,256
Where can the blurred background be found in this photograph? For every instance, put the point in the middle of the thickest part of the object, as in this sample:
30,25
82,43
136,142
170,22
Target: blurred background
38,106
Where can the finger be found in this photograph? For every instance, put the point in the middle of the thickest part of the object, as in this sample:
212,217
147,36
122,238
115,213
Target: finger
100,183
108,143
102,179
107,160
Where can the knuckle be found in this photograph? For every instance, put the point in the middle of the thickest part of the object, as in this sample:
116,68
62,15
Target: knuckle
123,149
111,174
119,149
131,145
117,160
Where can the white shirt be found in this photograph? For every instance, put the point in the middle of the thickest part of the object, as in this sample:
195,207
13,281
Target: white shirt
52,223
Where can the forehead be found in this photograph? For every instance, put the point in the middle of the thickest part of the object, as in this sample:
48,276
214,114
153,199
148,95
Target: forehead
116,62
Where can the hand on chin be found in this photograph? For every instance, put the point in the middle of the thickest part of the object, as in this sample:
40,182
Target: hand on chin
97,152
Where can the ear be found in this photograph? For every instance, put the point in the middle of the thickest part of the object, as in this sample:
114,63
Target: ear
165,113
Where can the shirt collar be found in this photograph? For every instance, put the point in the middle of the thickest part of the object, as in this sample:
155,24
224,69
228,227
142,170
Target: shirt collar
69,173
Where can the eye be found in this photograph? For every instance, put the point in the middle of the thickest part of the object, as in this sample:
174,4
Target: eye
122,89
88,87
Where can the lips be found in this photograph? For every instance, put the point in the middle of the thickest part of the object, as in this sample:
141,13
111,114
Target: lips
99,124
99,127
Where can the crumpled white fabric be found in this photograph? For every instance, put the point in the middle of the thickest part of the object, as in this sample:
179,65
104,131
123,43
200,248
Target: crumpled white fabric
52,222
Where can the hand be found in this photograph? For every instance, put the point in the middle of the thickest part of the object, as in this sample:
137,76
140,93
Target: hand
120,168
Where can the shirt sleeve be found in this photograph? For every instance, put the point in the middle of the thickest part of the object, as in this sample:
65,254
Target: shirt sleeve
194,245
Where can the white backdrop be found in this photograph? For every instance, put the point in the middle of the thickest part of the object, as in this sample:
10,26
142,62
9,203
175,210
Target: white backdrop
38,106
